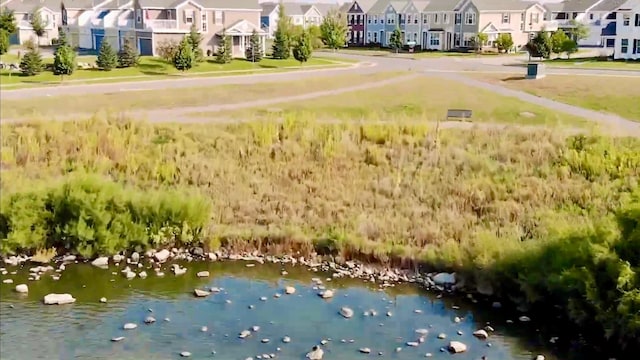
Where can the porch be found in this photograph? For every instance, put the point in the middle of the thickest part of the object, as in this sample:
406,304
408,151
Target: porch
240,33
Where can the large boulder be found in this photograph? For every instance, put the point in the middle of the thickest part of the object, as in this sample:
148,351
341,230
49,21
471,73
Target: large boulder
58,299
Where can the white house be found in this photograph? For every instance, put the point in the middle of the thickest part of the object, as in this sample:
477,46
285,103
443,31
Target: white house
627,43
300,14
24,10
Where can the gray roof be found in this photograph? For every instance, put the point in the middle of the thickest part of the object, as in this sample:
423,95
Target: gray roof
441,5
267,8
208,4
379,7
577,5
506,5
366,5
116,4
325,8
609,5
28,6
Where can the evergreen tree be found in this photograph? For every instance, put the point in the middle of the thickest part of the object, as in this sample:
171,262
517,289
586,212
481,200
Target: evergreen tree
302,50
62,37
557,40
37,24
183,60
31,63
4,41
64,61
395,41
107,57
8,21
540,45
128,55
224,54
282,37
195,39
334,29
254,51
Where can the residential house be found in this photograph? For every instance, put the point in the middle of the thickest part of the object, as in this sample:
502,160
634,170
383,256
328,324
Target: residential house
23,10
597,15
411,22
439,24
521,19
356,12
303,15
384,21
77,18
627,40
156,21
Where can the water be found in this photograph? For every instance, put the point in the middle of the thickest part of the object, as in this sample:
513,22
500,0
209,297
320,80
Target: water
30,330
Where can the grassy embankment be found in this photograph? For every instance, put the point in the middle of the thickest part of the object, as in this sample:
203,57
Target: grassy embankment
595,63
542,219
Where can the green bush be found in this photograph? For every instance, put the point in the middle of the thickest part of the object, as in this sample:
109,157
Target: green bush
92,216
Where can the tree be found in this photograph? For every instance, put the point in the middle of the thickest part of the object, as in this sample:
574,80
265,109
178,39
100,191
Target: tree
316,36
195,39
334,29
31,63
62,37
557,41
184,58
128,55
167,49
281,48
64,61
504,42
37,24
254,51
480,40
107,57
569,47
578,31
8,21
224,54
302,50
396,39
540,45
4,41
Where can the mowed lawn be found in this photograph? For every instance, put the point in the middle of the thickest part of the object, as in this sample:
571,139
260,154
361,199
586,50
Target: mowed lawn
594,63
150,67
617,95
420,99
176,98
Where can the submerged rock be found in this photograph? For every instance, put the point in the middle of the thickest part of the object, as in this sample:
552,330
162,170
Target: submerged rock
327,294
457,347
481,334
244,334
149,320
346,312
286,339
119,338
58,299
103,299
316,353
185,354
365,350
289,290
203,274
22,288
129,326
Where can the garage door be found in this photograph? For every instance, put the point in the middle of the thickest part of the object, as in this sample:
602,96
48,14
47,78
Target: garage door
97,41
145,46
13,39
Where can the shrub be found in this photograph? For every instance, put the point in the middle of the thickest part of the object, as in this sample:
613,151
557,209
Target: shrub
31,63
128,55
107,57
167,49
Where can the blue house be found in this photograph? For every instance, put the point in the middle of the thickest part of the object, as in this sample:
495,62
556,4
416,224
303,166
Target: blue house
382,19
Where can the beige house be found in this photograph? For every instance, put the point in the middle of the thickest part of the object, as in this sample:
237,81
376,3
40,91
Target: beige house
521,19
24,10
156,21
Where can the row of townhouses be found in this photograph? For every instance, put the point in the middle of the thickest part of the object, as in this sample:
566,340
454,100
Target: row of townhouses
452,24
300,14
146,23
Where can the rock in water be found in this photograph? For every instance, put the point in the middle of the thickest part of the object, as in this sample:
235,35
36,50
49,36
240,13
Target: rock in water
286,339
58,299
149,320
346,312
289,290
203,274
103,299
116,339
102,261
481,334
162,255
365,350
457,347
185,354
327,294
201,293
316,353
129,326
22,288
244,334
445,279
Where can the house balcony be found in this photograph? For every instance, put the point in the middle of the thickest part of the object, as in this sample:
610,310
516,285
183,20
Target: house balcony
162,24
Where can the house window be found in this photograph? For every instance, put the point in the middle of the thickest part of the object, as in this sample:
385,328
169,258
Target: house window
425,18
218,17
204,22
408,19
188,16
368,19
470,18
375,19
636,48
535,18
415,37
375,36
626,19
637,20
456,40
506,18
408,37
368,36
138,15
435,18
445,18
434,39
590,16
358,20
415,19
458,18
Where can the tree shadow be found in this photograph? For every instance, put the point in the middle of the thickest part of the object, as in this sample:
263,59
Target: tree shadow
514,78
153,67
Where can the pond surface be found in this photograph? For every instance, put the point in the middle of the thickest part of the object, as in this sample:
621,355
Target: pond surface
30,330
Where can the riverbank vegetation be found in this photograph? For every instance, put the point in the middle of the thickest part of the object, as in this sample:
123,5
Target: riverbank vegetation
537,217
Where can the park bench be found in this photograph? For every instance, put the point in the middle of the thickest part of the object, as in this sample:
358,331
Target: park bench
459,114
